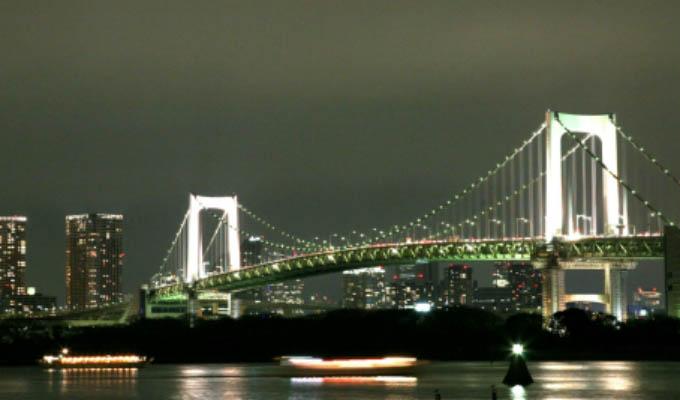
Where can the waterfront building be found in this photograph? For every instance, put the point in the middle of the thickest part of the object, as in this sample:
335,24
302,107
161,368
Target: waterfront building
647,301
12,256
94,260
320,299
29,303
280,298
289,292
409,284
364,288
457,286
525,282
496,299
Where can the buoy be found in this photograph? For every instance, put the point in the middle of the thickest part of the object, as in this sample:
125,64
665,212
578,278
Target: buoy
518,373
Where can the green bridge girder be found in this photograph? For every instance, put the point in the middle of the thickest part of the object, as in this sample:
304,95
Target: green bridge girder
605,248
613,248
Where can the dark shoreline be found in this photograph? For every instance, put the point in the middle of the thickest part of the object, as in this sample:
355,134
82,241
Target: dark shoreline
460,334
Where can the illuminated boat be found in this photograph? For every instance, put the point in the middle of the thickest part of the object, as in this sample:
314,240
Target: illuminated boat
312,366
64,361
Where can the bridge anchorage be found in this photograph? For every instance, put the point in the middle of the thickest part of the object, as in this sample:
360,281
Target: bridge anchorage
568,198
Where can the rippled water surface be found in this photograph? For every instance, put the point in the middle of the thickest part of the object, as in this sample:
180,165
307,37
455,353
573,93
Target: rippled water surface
553,380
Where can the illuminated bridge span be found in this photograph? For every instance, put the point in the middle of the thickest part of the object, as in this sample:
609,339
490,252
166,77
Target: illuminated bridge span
603,249
577,194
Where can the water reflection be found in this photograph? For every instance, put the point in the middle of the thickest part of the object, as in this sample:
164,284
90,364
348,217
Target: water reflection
613,365
121,381
518,392
556,385
553,381
197,371
199,382
617,383
190,371
561,366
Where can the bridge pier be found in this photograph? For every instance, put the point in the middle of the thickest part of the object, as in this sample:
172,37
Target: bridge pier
615,292
614,297
553,291
192,308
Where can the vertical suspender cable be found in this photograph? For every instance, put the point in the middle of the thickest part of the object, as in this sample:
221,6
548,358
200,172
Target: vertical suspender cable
593,187
521,213
623,166
532,174
487,201
512,198
504,215
584,193
540,148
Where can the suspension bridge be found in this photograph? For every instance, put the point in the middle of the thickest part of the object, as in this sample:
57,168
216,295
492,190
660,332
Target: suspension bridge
578,193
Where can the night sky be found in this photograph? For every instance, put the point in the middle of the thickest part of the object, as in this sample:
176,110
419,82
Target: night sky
321,116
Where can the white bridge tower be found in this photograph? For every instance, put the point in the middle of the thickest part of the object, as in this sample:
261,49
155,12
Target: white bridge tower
195,268
600,126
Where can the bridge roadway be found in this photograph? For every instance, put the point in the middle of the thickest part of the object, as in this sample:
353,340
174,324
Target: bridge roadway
517,249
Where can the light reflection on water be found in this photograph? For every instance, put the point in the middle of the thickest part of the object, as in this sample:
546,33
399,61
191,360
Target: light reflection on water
79,381
553,381
518,392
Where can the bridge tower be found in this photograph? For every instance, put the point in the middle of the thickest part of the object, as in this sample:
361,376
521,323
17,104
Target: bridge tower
613,217
602,127
195,268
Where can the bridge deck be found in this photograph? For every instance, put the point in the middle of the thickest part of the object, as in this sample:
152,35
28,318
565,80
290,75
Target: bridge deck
602,248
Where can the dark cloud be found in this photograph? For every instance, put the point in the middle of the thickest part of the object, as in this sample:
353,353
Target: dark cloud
323,116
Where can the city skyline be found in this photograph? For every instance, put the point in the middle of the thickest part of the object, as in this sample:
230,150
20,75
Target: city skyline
322,199
131,123
649,275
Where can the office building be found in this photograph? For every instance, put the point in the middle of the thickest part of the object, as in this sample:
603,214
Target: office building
525,282
457,287
410,284
364,288
289,292
12,256
496,299
94,260
29,303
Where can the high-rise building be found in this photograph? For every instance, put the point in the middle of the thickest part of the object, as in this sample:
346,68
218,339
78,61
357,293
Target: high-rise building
251,251
289,292
525,282
94,260
364,288
413,283
12,256
458,288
